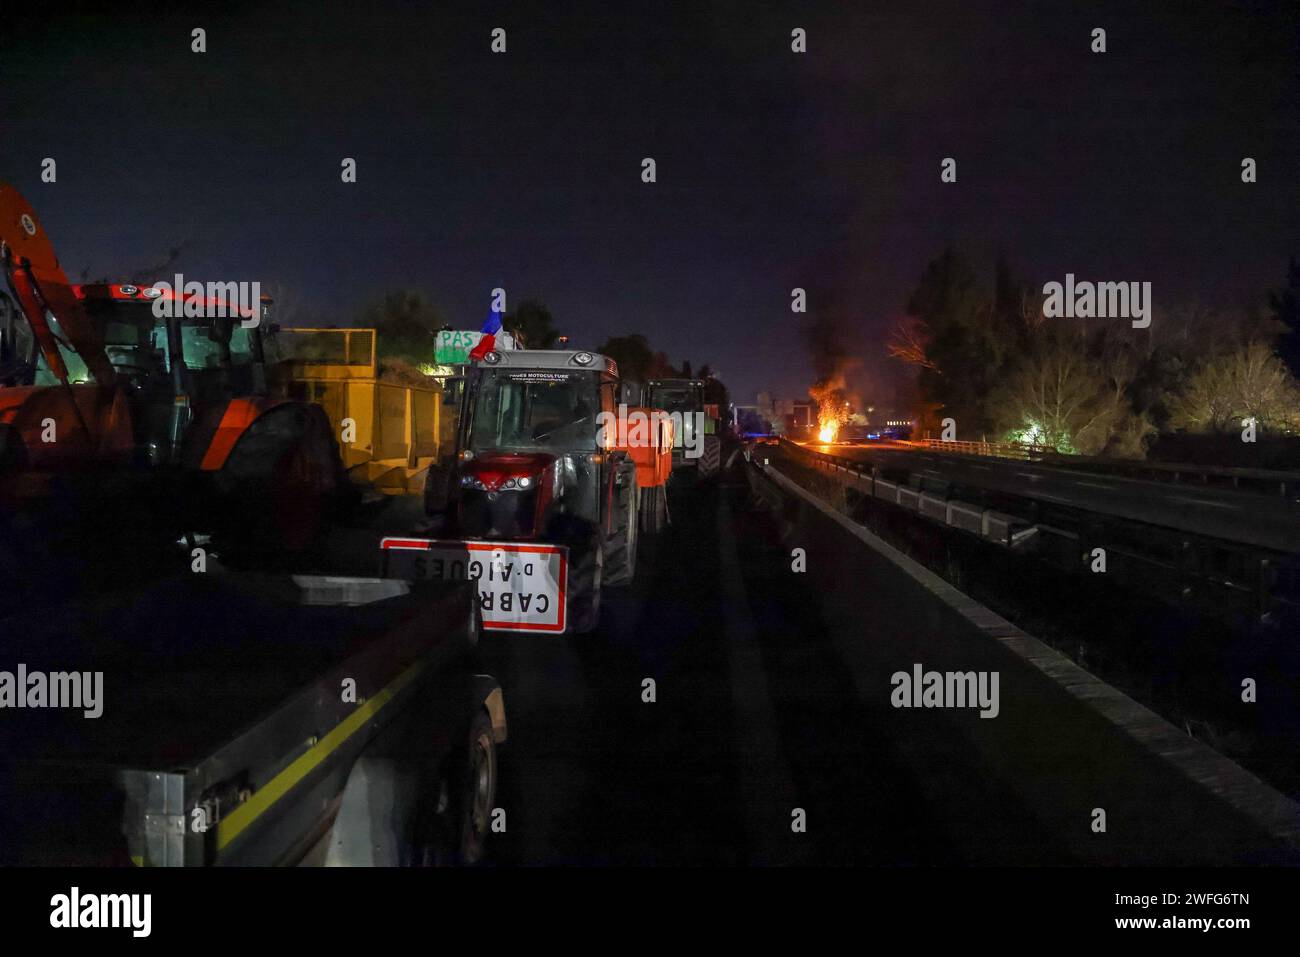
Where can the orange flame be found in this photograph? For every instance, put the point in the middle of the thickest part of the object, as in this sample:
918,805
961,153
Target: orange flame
832,408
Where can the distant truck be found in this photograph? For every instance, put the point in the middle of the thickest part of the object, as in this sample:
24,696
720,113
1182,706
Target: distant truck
546,484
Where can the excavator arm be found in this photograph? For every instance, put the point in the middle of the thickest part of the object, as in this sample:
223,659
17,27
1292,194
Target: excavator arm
37,280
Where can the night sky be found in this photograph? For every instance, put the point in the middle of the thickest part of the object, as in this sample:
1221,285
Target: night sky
775,169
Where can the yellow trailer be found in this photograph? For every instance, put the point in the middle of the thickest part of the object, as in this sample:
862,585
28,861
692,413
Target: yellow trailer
390,428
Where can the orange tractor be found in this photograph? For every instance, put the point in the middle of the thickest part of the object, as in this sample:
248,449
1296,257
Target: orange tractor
121,412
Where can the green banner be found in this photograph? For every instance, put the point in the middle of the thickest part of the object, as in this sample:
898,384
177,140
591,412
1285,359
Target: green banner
454,346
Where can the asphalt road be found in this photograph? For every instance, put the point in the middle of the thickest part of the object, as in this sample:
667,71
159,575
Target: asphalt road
772,707
772,696
1269,521
753,718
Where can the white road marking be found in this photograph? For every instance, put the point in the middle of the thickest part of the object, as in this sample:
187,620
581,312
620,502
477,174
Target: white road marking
1109,488
1201,501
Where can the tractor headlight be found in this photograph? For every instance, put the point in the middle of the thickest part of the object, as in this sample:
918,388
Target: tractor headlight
525,481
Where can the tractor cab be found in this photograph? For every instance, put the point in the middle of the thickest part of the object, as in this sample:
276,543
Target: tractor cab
213,349
538,460
683,400
696,445
175,365
530,456
153,403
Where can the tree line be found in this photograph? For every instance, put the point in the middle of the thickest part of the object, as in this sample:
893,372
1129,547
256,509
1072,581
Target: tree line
984,354
407,322
638,362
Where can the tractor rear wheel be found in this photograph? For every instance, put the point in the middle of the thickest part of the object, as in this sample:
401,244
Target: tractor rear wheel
620,561
585,573
280,484
711,458
653,510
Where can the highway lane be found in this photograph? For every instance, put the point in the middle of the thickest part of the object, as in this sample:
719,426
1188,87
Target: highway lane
772,703
1267,521
752,721
772,694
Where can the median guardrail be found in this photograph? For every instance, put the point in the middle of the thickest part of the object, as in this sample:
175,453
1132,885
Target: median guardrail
1224,577
1266,481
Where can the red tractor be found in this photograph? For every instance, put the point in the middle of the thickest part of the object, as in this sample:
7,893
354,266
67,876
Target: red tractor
117,414
540,459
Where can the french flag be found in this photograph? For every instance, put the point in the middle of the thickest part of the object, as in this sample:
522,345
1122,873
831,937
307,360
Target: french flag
489,340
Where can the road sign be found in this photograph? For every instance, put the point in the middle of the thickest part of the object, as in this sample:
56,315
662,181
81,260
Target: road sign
521,586
453,346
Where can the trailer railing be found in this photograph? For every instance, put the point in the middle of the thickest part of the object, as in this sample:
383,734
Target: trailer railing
397,429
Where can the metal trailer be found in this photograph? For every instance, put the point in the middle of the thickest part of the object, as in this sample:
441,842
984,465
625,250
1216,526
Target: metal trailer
229,734
398,428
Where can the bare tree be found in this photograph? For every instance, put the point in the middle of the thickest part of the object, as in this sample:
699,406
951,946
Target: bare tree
1263,388
1030,310
1206,404
909,342
1250,381
1062,396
